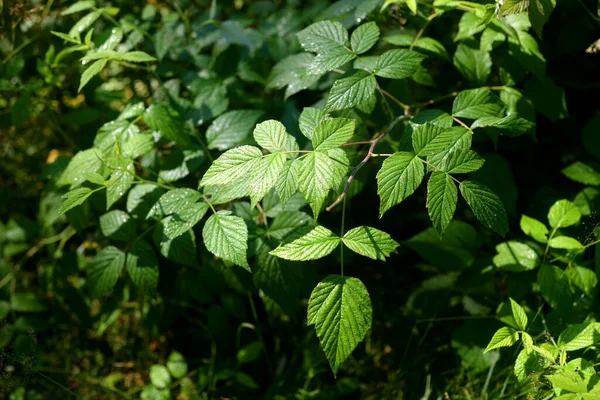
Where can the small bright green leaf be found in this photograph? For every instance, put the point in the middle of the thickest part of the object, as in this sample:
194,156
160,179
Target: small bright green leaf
364,37
84,161
349,92
534,228
340,309
132,109
74,198
332,133
138,56
185,219
323,37
174,201
463,162
469,25
117,225
159,376
486,206
565,242
66,37
316,244
582,173
504,337
398,64
79,6
226,236
177,365
232,165
287,183
515,256
512,125
513,7
476,103
315,179
370,242
519,315
119,183
398,178
142,266
271,135
104,270
442,197
563,213
231,128
265,175
429,139
84,23
168,123
90,72
585,279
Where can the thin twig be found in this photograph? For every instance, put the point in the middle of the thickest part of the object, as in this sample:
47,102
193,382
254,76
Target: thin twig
363,162
422,30
461,123
395,100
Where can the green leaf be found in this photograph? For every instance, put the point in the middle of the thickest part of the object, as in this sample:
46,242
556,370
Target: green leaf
579,336
249,353
315,179
512,125
563,213
513,7
309,119
74,198
231,128
181,250
141,199
292,72
539,12
286,222
174,201
138,145
411,4
159,376
137,56
66,37
398,178
168,123
179,164
469,25
442,197
504,337
424,44
566,243
287,183
316,244
340,309
323,37
90,72
177,365
332,133
370,242
119,183
486,206
104,270
398,64
567,380
534,228
474,64
185,219
117,225
518,314
226,236
463,162
84,161
271,135
364,37
554,287
585,279
265,175
79,6
132,109
142,266
429,139
84,23
582,173
515,256
349,92
476,103
27,302
232,165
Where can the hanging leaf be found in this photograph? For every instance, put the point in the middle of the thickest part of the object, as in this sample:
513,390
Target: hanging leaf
226,236
316,244
398,178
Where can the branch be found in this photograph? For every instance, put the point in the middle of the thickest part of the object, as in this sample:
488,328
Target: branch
364,161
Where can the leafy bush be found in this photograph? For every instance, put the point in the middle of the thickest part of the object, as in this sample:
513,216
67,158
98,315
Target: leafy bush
181,158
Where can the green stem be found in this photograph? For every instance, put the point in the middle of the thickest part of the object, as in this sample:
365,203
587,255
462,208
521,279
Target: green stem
341,236
422,30
259,331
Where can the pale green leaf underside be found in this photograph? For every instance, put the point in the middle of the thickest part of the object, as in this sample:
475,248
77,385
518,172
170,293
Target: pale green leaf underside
265,175
317,243
370,242
340,309
518,314
504,337
226,236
